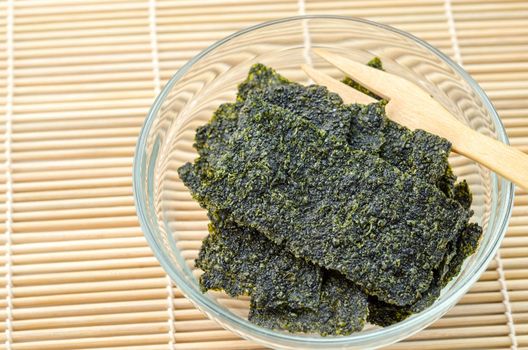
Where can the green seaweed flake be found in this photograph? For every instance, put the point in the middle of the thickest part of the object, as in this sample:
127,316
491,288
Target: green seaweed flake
259,78
462,194
286,292
468,245
457,251
224,120
446,184
340,208
218,129
417,152
314,103
342,311
384,314
241,261
367,128
369,132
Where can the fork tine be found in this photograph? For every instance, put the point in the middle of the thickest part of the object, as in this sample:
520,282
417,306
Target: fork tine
381,83
347,93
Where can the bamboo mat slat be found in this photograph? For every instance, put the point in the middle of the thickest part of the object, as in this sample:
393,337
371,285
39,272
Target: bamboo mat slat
76,81
509,98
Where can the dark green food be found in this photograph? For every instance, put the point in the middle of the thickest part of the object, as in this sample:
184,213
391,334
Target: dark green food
219,129
342,311
241,261
259,78
285,290
462,194
416,152
384,314
467,245
224,120
314,103
419,153
446,184
227,275
337,207
367,128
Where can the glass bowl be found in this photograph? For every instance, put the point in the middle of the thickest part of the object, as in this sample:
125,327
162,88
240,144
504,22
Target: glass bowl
175,225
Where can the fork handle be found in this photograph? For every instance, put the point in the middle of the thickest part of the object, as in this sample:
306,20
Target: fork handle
503,159
421,111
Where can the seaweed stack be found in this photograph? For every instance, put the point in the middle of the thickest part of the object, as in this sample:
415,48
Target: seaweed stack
327,215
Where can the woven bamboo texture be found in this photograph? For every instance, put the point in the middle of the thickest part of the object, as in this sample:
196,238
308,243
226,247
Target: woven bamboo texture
76,81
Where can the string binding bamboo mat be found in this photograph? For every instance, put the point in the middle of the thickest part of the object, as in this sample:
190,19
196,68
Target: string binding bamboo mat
76,81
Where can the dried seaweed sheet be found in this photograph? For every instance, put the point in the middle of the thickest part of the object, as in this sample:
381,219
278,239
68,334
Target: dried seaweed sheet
384,314
325,110
342,311
467,246
224,120
287,292
367,128
259,78
417,152
222,275
241,261
340,208
314,103
462,194
218,130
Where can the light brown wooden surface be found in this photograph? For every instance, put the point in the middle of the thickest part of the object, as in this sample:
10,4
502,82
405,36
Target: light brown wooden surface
76,81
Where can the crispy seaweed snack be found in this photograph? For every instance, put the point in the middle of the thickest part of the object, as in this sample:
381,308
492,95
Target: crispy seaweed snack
314,103
417,152
218,130
384,314
287,292
342,311
259,78
340,208
366,127
241,261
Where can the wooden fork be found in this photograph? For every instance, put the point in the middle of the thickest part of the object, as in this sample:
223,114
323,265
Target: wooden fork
414,108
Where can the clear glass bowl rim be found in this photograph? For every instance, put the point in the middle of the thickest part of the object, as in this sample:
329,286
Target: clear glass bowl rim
244,326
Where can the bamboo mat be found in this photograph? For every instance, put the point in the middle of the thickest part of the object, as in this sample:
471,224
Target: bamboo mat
76,81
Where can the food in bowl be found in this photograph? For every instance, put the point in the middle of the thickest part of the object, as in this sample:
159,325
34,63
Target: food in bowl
327,215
